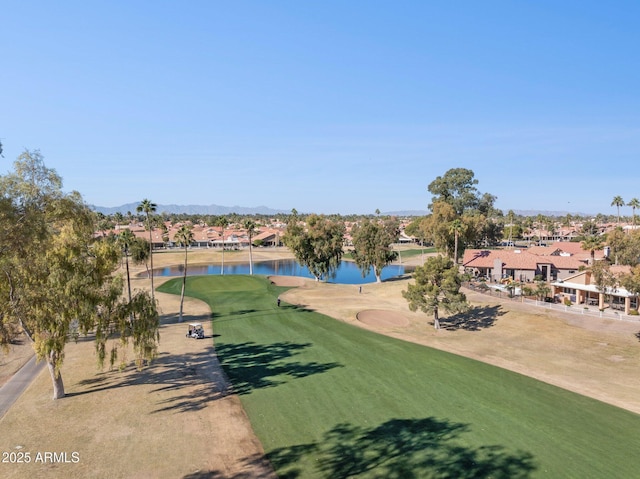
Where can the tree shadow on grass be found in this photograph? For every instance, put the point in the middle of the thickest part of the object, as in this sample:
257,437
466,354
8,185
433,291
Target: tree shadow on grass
401,449
252,366
253,465
186,382
638,335
477,318
189,381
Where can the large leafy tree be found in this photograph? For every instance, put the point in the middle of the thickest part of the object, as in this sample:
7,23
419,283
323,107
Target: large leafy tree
436,227
437,286
457,198
184,236
372,242
148,208
318,246
457,187
58,280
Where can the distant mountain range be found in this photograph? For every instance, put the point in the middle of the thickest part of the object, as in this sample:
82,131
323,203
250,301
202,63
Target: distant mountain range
264,210
192,209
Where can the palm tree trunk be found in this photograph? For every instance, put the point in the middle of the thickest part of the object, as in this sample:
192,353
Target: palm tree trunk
184,284
151,256
126,257
455,249
222,269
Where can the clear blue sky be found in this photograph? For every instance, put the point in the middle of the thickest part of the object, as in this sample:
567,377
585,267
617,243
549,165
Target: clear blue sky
332,106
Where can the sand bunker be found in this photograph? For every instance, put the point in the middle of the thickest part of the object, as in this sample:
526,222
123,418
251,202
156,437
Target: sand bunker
382,318
287,281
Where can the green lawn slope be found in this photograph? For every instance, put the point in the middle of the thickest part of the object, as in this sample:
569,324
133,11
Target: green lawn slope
331,400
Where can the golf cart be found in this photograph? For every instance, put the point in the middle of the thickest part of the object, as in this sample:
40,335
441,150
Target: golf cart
196,331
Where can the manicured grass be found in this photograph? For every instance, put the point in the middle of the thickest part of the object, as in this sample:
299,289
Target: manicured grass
331,400
410,253
406,254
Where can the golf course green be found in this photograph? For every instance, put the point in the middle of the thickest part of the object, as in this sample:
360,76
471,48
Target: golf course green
330,400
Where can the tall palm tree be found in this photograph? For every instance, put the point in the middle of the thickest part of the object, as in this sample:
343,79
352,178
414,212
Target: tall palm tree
147,207
618,202
184,236
457,227
250,226
222,222
126,239
591,244
634,203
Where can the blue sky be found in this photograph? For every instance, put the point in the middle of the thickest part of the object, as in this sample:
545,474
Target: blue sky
328,107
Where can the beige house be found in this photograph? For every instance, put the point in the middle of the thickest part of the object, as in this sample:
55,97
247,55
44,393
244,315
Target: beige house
580,289
519,265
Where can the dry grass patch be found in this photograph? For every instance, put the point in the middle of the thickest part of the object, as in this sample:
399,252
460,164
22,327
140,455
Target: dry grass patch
173,419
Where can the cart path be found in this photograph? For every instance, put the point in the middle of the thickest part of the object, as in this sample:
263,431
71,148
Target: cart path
18,383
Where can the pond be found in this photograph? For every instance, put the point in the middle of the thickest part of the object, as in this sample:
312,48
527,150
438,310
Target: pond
347,273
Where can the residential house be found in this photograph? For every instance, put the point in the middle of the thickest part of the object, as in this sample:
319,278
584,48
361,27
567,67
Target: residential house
581,289
519,265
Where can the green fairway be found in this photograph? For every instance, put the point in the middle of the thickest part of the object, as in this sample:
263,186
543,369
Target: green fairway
331,400
405,254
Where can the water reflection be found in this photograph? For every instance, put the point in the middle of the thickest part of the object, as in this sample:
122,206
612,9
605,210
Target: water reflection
347,273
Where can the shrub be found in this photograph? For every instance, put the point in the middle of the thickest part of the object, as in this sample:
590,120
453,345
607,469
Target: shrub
633,312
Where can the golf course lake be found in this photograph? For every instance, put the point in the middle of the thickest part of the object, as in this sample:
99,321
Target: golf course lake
347,273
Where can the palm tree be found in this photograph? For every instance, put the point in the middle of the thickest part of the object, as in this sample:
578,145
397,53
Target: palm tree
591,244
250,226
457,227
634,203
184,236
222,222
126,239
618,202
147,207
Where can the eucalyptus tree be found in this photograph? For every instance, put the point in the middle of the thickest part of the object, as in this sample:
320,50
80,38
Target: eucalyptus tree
222,222
437,286
148,208
250,227
184,236
456,187
634,203
617,202
372,242
436,228
58,280
318,245
457,197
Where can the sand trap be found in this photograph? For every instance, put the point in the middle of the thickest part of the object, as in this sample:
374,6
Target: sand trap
288,281
382,318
